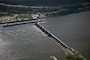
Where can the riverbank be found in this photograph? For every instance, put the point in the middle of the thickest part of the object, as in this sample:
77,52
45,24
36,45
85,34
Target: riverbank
7,18
21,17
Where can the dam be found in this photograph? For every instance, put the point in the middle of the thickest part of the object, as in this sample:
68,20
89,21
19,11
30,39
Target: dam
67,49
62,44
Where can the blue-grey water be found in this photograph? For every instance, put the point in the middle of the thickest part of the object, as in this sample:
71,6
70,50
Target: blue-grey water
72,29
26,42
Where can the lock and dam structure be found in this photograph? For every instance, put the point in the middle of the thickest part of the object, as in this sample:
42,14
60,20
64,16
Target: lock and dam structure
65,47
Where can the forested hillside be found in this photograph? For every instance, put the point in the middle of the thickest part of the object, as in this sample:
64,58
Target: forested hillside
45,2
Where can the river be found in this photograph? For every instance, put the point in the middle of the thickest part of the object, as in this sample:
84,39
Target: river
72,29
26,42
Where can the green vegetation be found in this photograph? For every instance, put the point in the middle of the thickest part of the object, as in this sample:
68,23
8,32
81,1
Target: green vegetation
21,16
72,57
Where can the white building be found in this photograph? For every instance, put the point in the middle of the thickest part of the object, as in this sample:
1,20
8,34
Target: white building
35,16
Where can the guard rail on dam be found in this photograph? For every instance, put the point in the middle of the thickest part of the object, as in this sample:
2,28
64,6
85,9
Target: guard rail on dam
69,49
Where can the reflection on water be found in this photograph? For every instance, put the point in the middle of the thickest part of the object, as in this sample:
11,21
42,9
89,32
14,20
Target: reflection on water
73,29
26,42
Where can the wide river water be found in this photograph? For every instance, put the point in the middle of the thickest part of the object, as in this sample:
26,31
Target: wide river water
27,42
72,29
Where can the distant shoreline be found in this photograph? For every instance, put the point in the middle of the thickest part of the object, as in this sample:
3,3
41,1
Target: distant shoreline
11,17
43,10
21,6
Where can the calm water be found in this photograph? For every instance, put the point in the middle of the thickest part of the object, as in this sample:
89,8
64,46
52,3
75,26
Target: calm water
73,29
26,42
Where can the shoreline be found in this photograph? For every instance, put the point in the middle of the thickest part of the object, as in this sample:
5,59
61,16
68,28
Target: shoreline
7,17
13,17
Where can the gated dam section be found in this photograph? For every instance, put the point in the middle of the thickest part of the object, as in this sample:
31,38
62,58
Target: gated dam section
62,44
